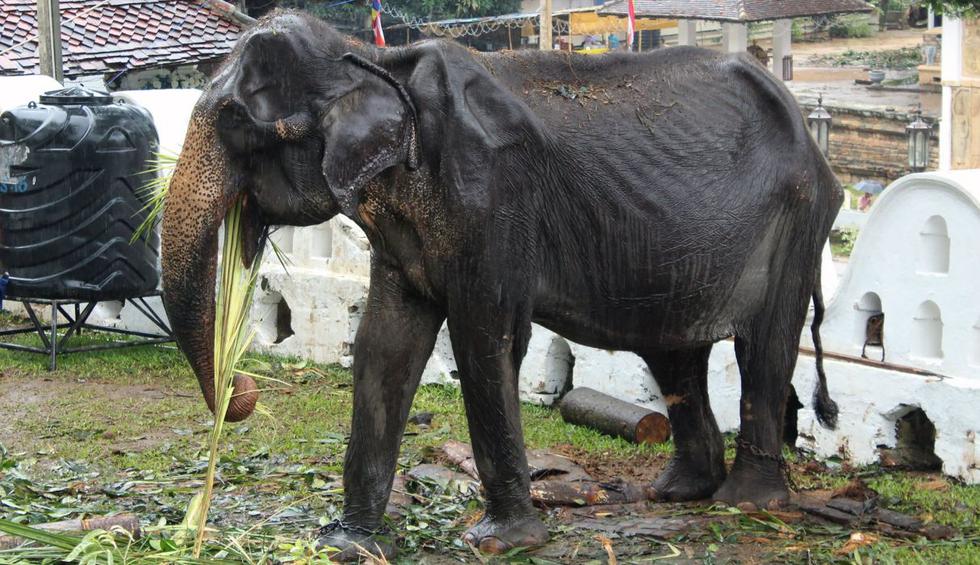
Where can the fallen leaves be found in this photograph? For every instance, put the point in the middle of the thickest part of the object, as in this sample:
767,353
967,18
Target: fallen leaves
607,545
857,541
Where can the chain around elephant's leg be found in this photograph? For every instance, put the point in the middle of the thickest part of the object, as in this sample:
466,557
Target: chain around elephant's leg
697,468
766,358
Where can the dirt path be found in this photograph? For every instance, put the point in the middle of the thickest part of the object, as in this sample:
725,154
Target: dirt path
884,41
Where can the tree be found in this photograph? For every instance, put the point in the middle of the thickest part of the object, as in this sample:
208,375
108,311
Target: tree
965,8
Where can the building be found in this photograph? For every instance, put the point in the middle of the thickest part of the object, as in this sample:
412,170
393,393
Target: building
124,44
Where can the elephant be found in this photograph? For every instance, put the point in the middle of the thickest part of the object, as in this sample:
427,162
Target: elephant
651,202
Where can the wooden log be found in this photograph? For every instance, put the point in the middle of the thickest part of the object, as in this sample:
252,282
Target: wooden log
128,522
587,407
462,455
585,493
827,513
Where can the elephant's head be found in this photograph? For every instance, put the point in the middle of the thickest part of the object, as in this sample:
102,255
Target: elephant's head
296,122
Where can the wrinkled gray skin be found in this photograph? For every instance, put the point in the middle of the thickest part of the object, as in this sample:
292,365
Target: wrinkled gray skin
676,201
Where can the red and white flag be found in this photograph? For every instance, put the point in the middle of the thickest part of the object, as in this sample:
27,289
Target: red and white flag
630,25
379,34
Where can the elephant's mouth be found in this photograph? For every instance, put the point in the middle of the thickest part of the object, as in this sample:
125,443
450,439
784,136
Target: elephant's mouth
279,165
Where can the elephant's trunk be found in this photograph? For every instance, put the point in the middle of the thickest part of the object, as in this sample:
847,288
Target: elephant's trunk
201,191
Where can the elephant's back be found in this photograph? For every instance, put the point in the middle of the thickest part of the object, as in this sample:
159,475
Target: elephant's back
697,116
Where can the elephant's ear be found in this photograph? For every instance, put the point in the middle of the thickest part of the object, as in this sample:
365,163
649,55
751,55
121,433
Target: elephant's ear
263,84
368,130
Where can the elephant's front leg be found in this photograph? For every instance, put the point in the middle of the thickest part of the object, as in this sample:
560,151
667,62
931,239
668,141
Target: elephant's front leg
489,343
394,341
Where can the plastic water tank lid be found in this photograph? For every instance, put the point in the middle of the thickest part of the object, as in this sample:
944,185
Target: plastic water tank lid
76,95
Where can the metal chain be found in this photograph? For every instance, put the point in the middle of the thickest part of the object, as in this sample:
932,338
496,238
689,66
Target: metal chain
348,527
779,459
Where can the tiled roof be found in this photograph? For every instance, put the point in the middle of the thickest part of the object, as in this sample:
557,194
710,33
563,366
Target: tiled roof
104,36
736,10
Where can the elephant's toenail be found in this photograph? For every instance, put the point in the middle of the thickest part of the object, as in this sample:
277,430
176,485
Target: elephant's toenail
747,507
774,504
493,546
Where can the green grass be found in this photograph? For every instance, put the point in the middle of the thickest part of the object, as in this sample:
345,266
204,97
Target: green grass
127,430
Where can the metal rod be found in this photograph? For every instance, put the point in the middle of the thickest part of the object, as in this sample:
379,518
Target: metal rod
29,329
71,321
54,337
148,311
122,332
116,345
37,324
19,347
77,323
74,325
873,363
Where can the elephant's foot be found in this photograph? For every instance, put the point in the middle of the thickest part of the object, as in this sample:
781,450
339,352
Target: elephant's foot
683,480
351,545
500,536
752,486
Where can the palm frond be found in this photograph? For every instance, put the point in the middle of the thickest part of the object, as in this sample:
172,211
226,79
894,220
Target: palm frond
154,191
232,337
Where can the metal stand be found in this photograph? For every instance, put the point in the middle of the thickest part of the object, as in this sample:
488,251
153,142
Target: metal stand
74,325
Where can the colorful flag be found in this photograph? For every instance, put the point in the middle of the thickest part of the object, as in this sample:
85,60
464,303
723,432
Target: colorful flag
630,25
379,34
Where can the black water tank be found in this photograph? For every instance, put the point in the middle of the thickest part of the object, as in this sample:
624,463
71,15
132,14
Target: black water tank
71,173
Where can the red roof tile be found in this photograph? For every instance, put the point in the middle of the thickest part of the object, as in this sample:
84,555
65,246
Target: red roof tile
103,36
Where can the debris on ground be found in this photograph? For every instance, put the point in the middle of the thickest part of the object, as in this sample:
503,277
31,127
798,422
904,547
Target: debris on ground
856,505
125,522
421,419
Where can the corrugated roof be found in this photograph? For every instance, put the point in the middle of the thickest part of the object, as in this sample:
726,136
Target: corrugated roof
736,10
103,36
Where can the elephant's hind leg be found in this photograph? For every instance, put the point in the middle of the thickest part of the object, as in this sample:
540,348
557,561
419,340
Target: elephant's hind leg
766,355
698,466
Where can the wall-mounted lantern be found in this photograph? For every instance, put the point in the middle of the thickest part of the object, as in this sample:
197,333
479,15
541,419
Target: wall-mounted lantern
919,132
819,122
788,67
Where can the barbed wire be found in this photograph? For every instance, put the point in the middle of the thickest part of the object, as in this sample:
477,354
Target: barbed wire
474,28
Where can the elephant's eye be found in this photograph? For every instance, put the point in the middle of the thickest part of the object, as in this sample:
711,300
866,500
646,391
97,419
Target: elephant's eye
239,132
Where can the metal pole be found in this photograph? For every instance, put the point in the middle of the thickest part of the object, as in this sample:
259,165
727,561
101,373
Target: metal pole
545,41
49,39
54,336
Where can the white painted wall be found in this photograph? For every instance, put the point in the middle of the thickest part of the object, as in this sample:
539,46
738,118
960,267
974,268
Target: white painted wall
952,72
19,90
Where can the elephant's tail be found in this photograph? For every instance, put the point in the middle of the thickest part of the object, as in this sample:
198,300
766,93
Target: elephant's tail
823,405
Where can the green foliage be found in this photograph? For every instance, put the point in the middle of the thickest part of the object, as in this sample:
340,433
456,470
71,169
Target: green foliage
897,59
842,241
155,192
439,9
798,29
964,8
851,26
